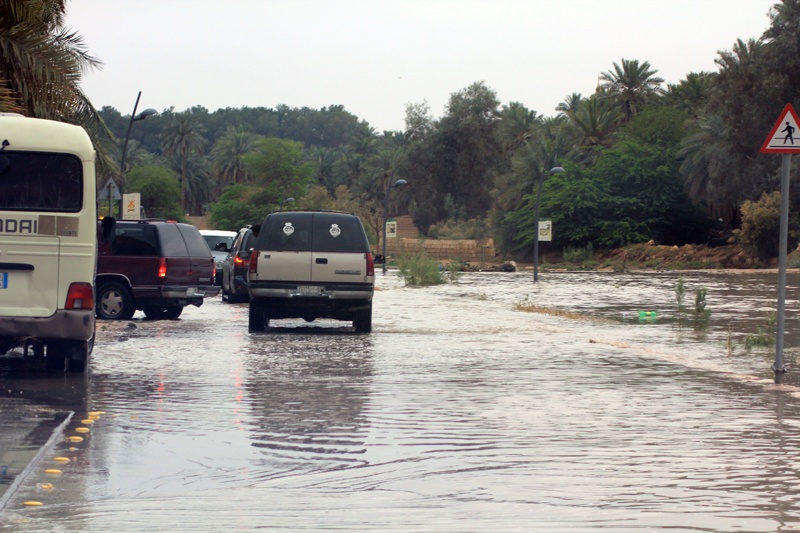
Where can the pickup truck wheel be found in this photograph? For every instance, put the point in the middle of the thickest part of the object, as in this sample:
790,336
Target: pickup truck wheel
163,312
114,302
258,316
362,321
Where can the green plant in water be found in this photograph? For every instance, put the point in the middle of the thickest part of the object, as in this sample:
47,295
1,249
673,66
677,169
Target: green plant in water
702,315
765,334
453,270
680,295
419,270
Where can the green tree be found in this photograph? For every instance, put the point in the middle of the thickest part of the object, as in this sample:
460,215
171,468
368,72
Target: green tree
183,137
161,194
239,206
278,169
41,66
227,165
631,85
691,94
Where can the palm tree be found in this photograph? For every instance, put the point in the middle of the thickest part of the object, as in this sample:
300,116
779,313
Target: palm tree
691,94
595,121
227,166
324,162
41,64
571,104
631,85
183,138
707,168
517,122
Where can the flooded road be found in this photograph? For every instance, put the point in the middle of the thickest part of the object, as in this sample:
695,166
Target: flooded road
458,413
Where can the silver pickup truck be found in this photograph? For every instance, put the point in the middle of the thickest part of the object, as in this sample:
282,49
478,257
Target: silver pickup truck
309,265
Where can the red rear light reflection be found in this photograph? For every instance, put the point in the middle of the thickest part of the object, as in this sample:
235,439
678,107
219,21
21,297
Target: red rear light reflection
162,267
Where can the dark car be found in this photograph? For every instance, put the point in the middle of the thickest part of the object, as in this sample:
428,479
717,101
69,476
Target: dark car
236,265
158,267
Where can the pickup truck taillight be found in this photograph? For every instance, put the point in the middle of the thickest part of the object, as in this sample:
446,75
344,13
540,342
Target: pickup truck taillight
162,267
253,261
370,265
80,296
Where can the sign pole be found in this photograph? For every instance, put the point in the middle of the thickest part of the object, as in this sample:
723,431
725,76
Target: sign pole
781,140
778,367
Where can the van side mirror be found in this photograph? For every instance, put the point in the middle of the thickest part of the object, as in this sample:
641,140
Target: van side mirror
108,227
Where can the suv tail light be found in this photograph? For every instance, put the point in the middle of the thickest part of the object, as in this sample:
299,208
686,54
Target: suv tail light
370,264
242,259
253,261
162,267
80,296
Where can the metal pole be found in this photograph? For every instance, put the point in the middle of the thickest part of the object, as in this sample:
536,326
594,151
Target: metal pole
125,151
778,367
536,231
385,220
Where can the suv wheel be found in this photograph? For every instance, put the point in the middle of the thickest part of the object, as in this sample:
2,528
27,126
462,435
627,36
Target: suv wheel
258,316
163,312
362,320
114,302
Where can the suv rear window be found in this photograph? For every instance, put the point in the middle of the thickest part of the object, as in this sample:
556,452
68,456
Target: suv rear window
138,240
195,242
338,233
286,232
31,181
320,232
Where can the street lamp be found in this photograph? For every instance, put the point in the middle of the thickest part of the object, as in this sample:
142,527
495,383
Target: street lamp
286,201
554,170
134,117
397,183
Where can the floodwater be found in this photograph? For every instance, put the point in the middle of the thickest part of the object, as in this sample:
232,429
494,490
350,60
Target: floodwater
458,413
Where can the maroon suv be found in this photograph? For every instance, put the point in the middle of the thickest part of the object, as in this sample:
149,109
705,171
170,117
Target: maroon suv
158,267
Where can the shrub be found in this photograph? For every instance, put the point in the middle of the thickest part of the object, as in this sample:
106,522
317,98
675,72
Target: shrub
476,228
578,256
419,270
760,228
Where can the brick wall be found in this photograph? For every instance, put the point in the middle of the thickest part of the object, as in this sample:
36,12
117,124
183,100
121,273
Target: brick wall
470,251
408,241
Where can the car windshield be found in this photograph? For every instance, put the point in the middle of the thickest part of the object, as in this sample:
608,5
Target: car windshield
218,243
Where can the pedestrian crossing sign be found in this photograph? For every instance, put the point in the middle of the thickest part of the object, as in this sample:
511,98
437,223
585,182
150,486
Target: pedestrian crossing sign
784,137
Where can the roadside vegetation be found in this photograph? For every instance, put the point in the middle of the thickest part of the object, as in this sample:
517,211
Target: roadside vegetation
645,161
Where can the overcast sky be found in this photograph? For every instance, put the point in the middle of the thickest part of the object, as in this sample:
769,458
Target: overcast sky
376,56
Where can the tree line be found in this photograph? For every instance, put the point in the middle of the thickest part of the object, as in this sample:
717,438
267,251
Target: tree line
643,160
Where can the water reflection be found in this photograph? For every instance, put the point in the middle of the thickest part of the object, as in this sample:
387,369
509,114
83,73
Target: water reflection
307,394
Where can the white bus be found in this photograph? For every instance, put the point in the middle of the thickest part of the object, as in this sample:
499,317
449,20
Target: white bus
48,241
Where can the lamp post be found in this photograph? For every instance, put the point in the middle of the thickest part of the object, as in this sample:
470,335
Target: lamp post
397,183
134,117
554,170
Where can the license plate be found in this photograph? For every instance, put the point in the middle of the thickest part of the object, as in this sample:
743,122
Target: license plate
191,291
309,290
3,280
